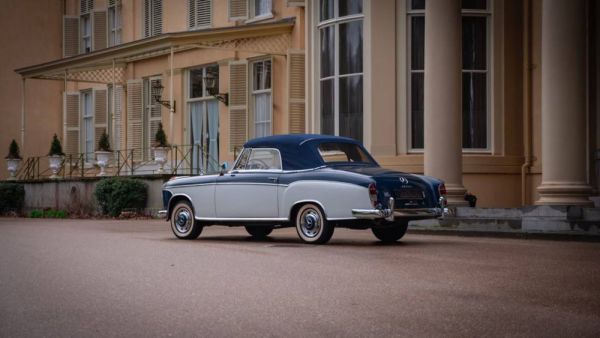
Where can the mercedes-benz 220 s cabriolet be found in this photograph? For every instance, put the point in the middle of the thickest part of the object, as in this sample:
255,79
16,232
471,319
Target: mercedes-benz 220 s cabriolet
312,182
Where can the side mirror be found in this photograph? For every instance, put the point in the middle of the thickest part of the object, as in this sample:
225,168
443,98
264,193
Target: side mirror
224,167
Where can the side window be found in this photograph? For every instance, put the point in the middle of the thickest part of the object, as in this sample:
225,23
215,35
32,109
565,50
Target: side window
259,159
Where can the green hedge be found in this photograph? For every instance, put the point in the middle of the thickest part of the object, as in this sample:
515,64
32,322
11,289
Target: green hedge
116,194
12,197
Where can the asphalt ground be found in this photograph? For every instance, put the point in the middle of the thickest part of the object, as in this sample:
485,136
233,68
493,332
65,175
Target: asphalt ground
86,278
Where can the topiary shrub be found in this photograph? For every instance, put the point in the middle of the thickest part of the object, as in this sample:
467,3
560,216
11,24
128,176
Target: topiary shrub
12,197
115,194
13,151
55,147
104,143
160,138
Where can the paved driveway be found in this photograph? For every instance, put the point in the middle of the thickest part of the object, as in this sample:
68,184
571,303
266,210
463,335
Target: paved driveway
132,278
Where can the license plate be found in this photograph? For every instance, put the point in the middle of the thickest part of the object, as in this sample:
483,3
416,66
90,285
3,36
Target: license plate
409,194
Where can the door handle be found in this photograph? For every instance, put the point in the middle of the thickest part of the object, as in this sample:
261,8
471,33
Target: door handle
272,179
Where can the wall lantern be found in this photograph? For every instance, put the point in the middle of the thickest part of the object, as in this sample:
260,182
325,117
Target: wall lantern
157,89
210,82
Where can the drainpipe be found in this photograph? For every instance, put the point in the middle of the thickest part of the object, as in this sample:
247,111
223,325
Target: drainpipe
172,109
23,114
527,99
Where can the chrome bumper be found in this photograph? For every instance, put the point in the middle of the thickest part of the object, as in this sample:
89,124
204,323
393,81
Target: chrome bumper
389,213
162,213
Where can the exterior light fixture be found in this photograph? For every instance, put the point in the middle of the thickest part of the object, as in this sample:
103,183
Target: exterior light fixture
210,82
157,89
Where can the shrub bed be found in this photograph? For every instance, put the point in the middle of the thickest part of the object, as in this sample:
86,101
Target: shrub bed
12,197
116,194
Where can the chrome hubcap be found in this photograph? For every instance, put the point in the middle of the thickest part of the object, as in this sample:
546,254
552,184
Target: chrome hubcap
183,220
310,223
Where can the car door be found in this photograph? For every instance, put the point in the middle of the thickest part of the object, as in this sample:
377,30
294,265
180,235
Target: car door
249,190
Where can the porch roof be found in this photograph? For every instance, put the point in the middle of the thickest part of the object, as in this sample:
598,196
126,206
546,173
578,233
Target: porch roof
108,65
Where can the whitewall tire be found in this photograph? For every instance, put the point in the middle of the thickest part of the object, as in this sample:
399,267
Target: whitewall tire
312,226
183,222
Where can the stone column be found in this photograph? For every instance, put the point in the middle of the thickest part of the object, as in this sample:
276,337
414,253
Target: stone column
443,88
564,174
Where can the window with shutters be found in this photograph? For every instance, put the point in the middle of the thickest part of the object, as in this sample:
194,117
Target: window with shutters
476,79
199,14
85,21
152,17
203,112
87,125
261,9
261,96
114,22
152,116
250,10
114,123
340,36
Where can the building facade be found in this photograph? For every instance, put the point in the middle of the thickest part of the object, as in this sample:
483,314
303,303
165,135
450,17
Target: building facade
496,97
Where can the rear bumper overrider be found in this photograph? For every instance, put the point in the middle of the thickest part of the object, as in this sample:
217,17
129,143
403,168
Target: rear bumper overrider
389,213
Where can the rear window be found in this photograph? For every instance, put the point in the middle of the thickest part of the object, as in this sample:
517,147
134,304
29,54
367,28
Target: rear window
339,152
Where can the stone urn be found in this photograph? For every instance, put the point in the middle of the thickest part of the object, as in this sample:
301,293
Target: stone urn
12,164
102,158
160,157
55,164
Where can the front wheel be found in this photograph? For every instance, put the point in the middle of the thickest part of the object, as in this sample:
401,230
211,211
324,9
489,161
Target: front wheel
392,233
311,225
259,231
183,223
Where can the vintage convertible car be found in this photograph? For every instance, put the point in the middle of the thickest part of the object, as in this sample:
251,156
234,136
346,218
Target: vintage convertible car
312,182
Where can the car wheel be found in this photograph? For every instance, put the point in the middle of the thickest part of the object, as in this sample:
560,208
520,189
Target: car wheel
392,233
259,231
311,225
183,223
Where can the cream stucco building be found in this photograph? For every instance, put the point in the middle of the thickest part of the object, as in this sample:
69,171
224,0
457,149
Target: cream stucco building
496,97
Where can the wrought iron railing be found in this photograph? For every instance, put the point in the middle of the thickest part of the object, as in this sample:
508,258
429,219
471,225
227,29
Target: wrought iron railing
188,160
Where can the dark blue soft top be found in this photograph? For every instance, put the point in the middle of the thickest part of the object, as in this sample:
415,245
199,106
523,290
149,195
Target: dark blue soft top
299,151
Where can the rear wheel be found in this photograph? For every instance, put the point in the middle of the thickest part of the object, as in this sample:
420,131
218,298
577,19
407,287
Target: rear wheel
259,231
311,225
183,222
392,233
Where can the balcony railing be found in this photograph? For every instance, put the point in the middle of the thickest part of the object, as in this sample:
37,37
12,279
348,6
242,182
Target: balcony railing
182,160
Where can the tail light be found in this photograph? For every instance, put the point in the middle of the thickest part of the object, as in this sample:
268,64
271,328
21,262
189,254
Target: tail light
373,194
442,189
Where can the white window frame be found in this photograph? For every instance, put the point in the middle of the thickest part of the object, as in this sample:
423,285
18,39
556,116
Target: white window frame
254,92
115,23
188,99
148,104
487,13
410,13
195,26
252,17
335,21
85,39
87,116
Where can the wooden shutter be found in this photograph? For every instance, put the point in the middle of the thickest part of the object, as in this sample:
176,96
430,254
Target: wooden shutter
156,17
135,117
100,114
71,123
199,13
238,10
86,6
238,103
154,115
296,3
118,130
147,18
100,30
296,94
70,36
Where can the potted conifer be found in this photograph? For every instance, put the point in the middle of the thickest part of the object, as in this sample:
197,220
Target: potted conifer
103,153
160,148
55,156
13,159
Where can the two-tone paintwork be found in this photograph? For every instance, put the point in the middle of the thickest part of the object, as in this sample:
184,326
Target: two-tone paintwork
271,195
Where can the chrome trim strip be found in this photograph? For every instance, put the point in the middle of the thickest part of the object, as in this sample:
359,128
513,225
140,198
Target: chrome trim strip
241,219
